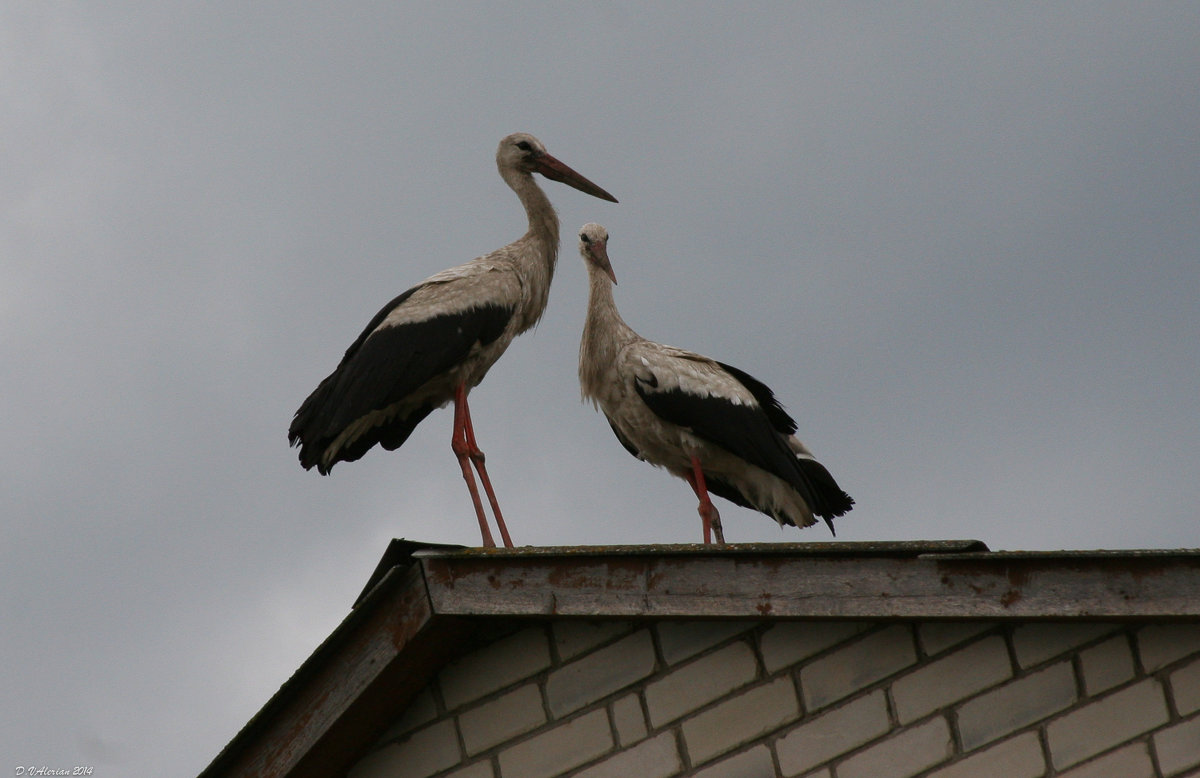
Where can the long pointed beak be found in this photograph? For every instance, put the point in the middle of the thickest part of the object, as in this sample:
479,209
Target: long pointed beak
555,170
599,252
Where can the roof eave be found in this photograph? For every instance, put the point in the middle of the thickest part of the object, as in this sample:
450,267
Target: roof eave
424,602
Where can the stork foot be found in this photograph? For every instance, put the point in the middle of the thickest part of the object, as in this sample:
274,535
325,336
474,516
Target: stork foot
714,521
711,519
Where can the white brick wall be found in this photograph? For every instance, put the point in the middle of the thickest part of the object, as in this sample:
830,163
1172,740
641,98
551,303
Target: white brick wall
1132,761
740,719
937,636
1162,644
684,639
1106,665
1018,757
628,719
790,642
1035,643
903,754
600,673
502,719
1115,718
754,763
559,748
1178,747
477,770
856,665
811,699
835,732
423,753
1185,687
1016,705
698,683
572,638
657,757
954,677
511,659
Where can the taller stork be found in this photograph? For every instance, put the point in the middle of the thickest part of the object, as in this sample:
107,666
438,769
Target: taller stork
431,345
712,425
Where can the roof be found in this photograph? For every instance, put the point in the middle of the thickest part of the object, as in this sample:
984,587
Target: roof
426,604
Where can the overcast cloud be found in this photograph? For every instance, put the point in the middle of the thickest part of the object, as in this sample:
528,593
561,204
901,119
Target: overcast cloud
959,241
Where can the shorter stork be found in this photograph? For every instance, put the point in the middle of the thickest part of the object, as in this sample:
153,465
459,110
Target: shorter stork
706,422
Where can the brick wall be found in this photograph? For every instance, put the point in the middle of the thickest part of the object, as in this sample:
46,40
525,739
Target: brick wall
813,699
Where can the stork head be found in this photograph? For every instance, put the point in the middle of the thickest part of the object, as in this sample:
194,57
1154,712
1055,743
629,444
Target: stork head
593,245
521,152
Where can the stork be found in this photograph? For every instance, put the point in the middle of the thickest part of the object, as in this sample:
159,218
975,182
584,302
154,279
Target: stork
712,425
431,345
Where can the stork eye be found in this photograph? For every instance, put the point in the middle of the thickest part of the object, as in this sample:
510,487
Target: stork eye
583,237
524,145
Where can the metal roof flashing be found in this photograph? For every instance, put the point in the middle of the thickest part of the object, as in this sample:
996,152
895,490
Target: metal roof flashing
900,548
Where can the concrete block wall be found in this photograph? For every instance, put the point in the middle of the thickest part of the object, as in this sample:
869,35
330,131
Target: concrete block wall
827,699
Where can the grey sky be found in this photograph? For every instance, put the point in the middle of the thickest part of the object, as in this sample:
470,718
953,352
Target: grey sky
959,241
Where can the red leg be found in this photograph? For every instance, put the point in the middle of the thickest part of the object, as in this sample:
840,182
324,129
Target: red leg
708,512
462,450
478,458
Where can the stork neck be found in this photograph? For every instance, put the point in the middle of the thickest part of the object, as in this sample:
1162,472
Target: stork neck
605,333
602,308
543,221
536,253
600,289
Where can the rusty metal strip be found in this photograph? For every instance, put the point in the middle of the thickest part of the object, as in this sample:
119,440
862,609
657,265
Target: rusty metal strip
927,586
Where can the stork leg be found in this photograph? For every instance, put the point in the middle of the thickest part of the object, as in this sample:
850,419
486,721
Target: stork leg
478,458
708,512
462,450
464,446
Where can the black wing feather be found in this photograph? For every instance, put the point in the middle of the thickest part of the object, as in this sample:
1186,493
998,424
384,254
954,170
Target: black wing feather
757,435
381,368
779,418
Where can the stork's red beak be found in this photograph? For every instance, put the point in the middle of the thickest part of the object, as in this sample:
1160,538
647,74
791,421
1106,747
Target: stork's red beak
555,170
